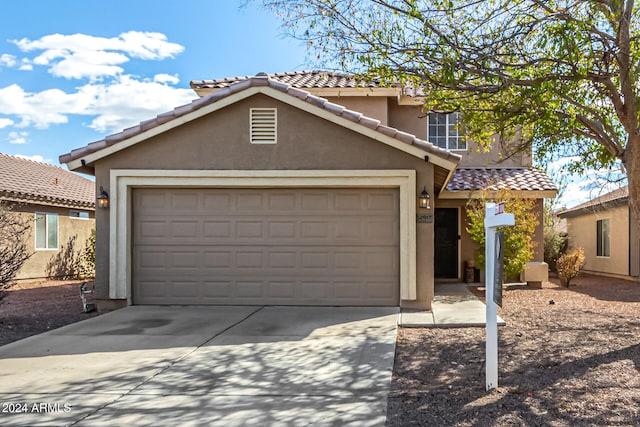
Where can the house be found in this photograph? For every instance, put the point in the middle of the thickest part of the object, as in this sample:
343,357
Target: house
59,205
604,229
296,188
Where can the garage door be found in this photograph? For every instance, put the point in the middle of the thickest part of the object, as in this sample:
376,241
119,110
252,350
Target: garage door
266,246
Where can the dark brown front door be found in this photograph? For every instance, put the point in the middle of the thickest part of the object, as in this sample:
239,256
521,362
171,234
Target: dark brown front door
446,243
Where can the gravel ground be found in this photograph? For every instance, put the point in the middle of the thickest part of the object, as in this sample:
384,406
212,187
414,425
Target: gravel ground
575,362
31,308
567,357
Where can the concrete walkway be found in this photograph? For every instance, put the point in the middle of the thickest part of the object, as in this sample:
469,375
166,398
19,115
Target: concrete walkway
454,306
214,366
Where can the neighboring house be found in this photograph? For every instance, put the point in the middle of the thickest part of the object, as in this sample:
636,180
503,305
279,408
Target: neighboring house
60,207
296,188
603,228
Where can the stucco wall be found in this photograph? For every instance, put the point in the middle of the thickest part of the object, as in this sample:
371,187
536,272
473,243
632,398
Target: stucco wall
370,106
582,233
220,141
72,236
467,246
413,119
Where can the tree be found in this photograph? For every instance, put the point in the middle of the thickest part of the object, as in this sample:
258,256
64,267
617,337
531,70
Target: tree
519,245
557,76
13,248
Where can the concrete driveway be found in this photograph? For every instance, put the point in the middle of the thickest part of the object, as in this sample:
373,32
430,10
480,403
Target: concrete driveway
227,366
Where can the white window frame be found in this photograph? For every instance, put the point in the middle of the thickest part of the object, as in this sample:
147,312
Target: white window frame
79,215
603,238
459,139
46,231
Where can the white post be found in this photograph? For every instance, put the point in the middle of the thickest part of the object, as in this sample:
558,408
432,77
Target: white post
491,222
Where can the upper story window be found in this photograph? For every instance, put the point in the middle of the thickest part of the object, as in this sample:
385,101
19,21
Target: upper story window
603,246
46,231
443,130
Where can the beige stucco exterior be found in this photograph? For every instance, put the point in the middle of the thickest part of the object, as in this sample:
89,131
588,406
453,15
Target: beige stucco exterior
466,246
72,237
581,228
211,148
219,142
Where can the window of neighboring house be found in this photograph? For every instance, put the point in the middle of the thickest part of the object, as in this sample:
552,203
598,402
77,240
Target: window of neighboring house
81,215
443,130
603,247
46,231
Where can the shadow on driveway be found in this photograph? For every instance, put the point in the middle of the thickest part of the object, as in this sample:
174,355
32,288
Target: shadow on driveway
205,366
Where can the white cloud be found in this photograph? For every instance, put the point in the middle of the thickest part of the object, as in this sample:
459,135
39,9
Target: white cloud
80,56
18,137
123,102
130,101
112,99
8,60
166,78
38,109
26,65
35,158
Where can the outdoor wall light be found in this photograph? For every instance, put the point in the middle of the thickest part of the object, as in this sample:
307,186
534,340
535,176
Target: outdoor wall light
424,199
103,198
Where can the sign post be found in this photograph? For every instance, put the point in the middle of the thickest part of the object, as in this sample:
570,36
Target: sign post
494,218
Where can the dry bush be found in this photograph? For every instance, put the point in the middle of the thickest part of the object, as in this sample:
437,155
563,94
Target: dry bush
13,247
569,265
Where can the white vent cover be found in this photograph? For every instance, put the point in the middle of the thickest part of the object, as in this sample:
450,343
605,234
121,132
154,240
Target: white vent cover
263,125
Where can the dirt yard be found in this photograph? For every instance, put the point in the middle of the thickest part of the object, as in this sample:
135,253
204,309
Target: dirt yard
567,357
31,308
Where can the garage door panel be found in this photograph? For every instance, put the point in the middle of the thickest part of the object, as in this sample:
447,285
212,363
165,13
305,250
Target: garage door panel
256,292
249,247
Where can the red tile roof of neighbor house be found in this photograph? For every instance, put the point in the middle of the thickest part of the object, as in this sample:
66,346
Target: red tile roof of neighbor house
608,200
262,81
517,179
28,181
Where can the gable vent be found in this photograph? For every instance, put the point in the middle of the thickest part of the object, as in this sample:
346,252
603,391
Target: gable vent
263,125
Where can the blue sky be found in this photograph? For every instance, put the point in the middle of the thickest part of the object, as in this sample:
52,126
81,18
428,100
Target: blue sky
73,71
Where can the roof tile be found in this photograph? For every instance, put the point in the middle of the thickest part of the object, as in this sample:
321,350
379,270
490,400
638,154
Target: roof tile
336,109
600,202
35,182
470,179
296,79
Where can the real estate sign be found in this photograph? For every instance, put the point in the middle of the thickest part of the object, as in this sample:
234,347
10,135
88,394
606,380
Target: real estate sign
498,275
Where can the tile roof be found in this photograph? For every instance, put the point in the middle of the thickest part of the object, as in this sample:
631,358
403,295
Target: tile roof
40,183
297,79
611,199
262,81
517,179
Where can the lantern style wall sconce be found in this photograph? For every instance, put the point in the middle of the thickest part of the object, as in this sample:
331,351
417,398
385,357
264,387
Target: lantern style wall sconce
424,199
103,198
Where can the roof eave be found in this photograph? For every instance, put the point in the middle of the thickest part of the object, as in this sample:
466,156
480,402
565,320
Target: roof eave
60,203
86,162
479,194
326,91
592,209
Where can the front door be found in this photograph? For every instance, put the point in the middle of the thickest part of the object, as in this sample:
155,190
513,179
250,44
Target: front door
446,243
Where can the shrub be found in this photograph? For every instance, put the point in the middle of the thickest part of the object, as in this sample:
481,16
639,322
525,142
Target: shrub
519,245
88,259
13,247
555,245
569,265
